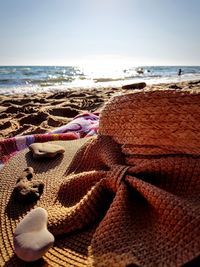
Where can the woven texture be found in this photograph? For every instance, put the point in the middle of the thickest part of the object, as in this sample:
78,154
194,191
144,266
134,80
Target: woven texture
51,172
131,196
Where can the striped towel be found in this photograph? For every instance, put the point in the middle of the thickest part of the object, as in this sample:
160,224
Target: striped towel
83,125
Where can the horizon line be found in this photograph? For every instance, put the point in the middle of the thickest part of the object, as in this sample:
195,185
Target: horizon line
69,65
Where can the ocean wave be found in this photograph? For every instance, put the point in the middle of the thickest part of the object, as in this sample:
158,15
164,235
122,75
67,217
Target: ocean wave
101,80
7,71
4,81
54,80
32,73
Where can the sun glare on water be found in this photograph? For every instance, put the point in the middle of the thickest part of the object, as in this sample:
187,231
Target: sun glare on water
104,67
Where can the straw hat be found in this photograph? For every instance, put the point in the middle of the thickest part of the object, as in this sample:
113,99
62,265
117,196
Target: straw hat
129,197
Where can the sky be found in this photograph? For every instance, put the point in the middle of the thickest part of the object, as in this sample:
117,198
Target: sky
68,32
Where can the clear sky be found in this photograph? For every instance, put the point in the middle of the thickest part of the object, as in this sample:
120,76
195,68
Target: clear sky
64,32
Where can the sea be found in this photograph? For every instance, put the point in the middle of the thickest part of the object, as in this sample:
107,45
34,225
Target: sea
37,79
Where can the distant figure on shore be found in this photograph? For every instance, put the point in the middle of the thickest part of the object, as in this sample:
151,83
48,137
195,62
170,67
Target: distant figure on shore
140,70
179,72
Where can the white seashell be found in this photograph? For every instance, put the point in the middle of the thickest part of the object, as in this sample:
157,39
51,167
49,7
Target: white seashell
31,237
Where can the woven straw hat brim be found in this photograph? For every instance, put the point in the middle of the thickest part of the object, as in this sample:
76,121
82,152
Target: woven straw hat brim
66,251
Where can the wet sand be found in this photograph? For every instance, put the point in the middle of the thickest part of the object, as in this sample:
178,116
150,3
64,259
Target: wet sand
36,114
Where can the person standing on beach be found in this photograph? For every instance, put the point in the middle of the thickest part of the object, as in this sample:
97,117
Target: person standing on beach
179,72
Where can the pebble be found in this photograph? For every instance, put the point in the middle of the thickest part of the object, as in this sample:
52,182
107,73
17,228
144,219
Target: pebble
46,149
31,237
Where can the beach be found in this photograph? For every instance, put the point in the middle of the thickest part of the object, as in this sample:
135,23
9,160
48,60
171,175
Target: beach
43,112
40,113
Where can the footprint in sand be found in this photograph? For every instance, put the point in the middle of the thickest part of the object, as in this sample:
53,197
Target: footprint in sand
79,95
56,102
34,119
21,130
5,125
53,122
3,116
64,112
57,96
20,101
29,109
35,130
91,104
14,109
19,115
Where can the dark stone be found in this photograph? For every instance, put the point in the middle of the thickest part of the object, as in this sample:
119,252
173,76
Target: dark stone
26,189
174,86
134,86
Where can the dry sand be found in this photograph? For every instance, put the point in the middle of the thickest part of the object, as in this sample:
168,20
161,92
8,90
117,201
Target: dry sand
31,114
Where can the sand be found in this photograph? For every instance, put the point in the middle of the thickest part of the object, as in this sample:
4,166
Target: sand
41,113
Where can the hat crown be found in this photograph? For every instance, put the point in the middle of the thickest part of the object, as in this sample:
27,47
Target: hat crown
154,118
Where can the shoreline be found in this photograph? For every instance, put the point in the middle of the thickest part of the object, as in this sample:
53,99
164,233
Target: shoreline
38,79
25,114
84,85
